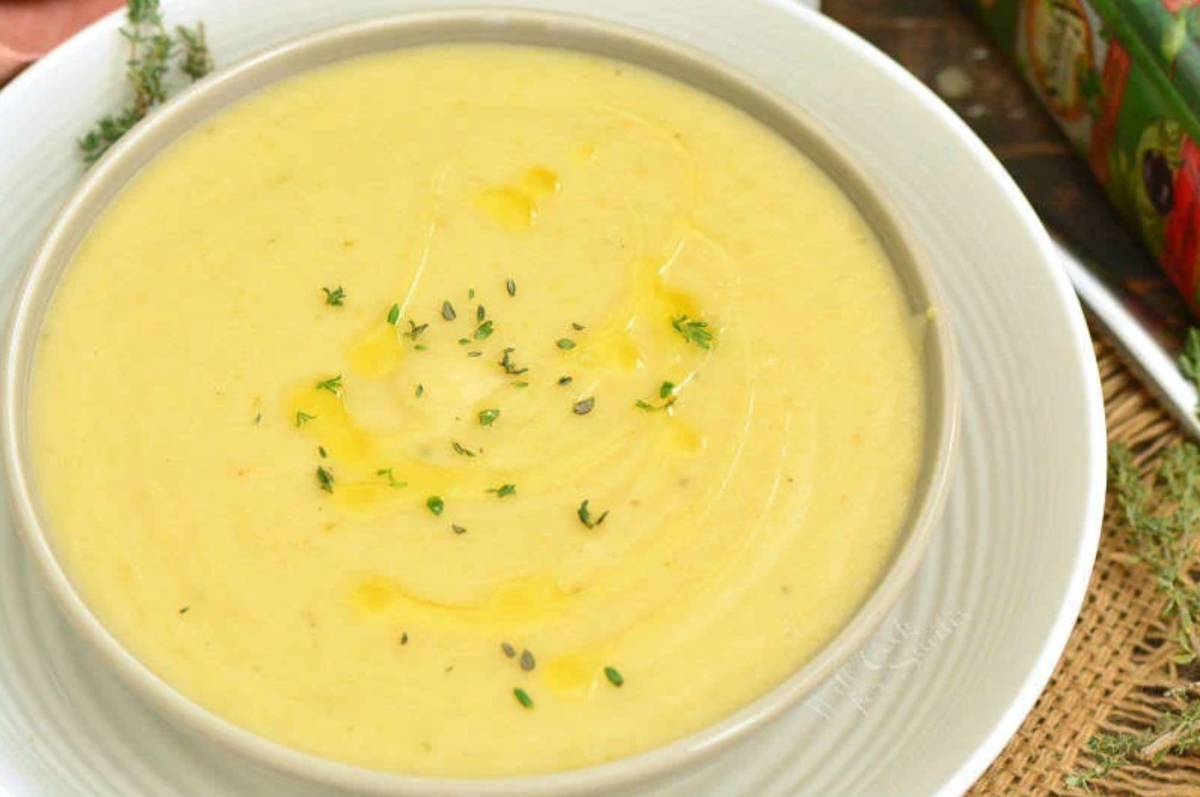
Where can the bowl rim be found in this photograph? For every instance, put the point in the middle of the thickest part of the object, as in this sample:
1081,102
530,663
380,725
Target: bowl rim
553,30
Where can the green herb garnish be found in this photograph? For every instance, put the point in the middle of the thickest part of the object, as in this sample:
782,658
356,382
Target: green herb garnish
503,490
480,314
694,331
484,330
393,315
511,286
420,391
461,449
578,327
387,473
565,380
197,61
614,676
415,329
334,297
585,406
321,450
1159,518
435,504
566,344
666,392
523,697
448,311
508,365
488,417
585,516
325,479
303,418
457,529
333,384
146,66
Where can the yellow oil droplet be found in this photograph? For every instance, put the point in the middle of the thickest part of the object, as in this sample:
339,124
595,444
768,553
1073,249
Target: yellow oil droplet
611,348
375,594
573,674
675,301
684,437
322,415
513,208
540,181
377,353
359,494
524,598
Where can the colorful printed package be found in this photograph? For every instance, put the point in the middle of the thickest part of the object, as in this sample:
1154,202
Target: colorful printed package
1123,79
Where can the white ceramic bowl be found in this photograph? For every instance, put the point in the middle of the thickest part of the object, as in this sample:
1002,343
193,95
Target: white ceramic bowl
517,27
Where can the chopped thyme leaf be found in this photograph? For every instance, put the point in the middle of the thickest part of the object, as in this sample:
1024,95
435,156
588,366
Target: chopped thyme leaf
258,419
566,344
420,391
393,315
508,365
523,697
484,330
391,478
694,331
420,347
321,450
666,392
527,661
585,406
520,383
575,325
415,329
476,353
184,609
488,417
511,286
480,314
614,677
471,293
325,479
585,516
334,297
303,418
448,311
565,380
503,490
461,450
435,504
508,649
333,384
457,529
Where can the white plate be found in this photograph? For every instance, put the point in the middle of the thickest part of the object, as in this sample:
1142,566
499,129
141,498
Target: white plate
944,684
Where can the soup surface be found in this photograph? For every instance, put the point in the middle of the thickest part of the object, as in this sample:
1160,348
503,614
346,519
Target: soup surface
477,410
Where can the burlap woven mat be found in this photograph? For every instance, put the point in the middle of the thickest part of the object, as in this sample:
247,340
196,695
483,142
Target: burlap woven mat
1111,674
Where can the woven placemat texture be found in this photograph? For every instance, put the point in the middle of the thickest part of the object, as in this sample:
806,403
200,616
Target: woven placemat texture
1112,677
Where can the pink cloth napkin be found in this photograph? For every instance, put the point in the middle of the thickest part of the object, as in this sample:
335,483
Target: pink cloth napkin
31,28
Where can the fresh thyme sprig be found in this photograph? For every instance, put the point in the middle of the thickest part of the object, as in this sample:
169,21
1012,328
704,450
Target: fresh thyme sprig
1161,520
146,69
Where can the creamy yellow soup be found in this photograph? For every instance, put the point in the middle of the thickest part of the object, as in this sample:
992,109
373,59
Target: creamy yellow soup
477,410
